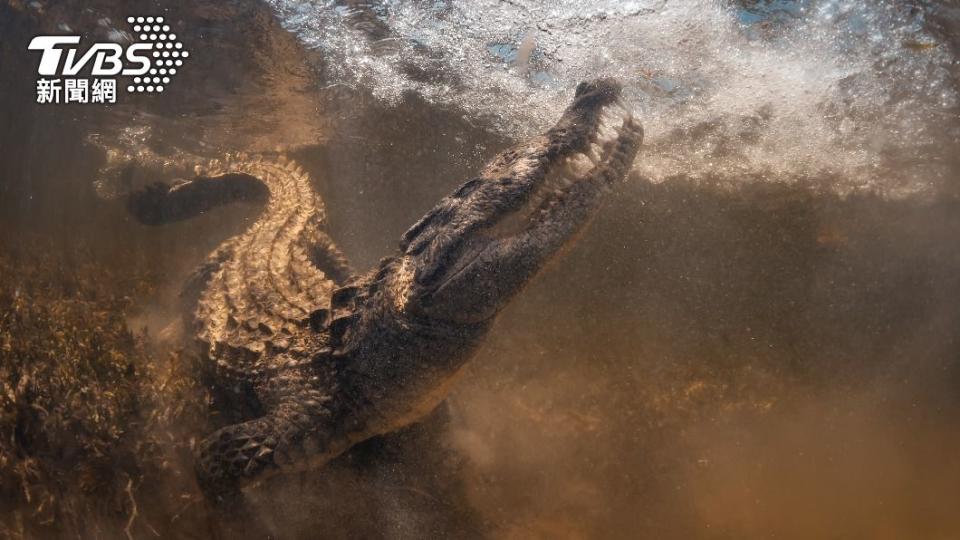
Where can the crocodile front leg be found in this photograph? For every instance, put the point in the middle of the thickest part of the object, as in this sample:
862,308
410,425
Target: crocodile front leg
297,429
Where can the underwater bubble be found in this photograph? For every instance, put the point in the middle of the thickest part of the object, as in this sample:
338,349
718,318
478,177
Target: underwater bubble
723,91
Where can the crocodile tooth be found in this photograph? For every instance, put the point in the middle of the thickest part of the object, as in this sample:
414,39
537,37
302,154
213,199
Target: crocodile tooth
612,116
582,165
592,156
607,132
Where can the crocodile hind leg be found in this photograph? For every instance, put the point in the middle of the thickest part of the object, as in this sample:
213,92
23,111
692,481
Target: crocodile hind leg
297,426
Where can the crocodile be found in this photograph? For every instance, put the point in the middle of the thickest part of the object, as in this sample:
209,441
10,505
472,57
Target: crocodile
332,358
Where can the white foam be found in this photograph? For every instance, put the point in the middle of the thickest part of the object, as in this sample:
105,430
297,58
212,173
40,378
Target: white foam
852,93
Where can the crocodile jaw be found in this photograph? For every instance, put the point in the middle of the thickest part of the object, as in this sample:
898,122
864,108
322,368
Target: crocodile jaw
474,251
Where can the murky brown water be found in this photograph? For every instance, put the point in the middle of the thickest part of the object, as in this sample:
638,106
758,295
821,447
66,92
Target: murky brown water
762,359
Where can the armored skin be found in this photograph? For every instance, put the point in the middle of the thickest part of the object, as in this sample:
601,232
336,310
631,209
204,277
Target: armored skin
331,359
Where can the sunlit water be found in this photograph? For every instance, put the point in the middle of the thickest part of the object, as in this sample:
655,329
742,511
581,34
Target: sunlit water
855,95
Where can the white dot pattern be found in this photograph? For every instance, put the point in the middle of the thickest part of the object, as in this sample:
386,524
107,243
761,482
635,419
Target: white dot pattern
152,29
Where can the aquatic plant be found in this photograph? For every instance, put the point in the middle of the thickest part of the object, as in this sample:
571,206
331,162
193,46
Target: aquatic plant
87,406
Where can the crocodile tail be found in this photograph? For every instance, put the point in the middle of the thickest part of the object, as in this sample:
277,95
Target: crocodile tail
215,185
262,283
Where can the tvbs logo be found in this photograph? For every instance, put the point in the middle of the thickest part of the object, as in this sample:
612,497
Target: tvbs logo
150,62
